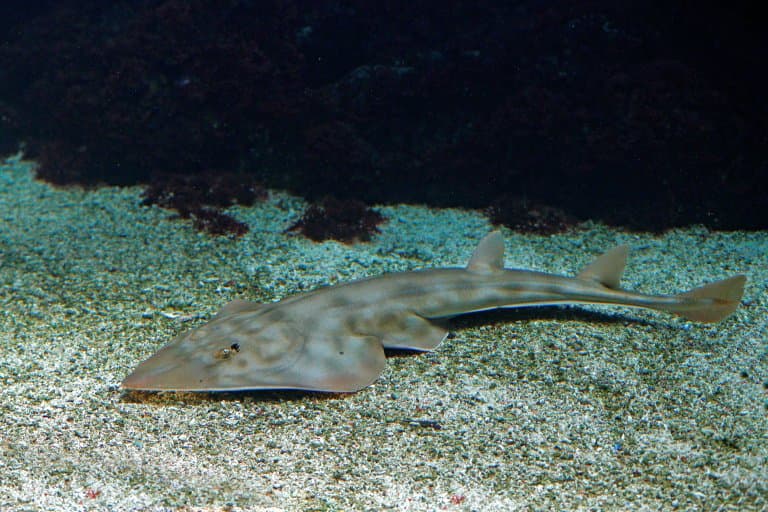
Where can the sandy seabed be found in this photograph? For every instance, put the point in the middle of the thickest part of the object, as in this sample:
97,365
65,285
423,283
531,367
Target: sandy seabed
529,409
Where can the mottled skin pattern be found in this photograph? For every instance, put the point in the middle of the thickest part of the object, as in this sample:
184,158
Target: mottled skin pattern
333,339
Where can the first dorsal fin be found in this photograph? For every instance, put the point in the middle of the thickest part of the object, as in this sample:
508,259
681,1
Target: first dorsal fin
489,255
607,268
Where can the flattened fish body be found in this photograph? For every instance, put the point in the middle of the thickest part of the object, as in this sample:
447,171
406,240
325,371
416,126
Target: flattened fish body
333,339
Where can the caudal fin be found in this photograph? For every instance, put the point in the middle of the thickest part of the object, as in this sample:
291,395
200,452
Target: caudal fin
712,302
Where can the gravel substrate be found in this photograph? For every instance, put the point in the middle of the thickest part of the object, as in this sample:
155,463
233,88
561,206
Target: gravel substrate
537,409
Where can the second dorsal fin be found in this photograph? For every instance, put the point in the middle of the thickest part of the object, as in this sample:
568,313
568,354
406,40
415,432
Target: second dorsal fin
607,268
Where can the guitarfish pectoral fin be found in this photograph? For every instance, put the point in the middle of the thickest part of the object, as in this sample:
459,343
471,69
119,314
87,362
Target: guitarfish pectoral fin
341,364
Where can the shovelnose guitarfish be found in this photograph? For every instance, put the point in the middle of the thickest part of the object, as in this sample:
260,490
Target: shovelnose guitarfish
333,339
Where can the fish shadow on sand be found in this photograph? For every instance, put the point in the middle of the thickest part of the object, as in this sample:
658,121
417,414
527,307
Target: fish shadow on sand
564,313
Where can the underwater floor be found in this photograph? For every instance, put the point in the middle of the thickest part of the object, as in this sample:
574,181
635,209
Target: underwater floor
547,408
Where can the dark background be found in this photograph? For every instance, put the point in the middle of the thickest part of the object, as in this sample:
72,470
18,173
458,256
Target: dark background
642,114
